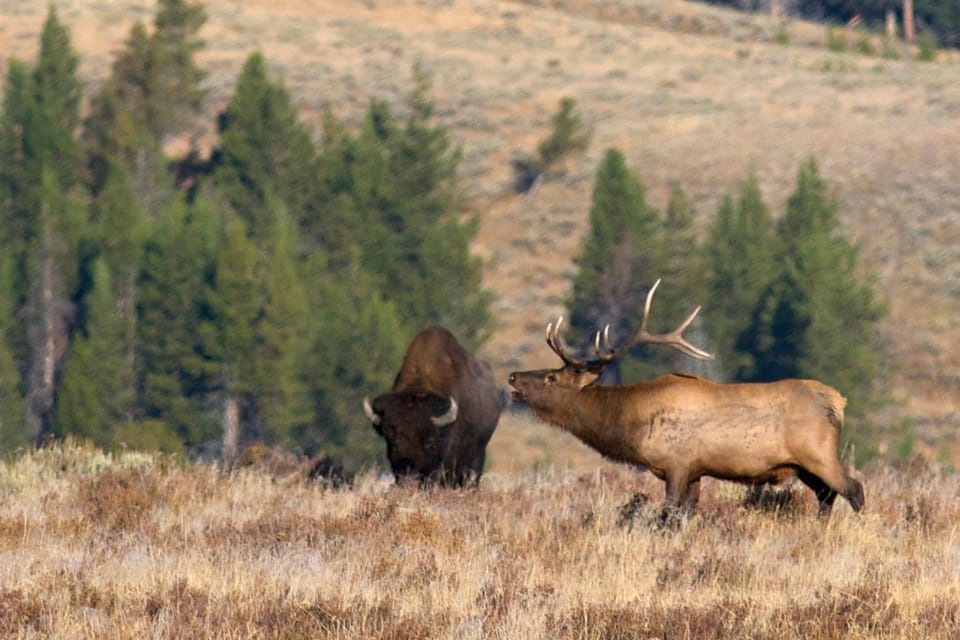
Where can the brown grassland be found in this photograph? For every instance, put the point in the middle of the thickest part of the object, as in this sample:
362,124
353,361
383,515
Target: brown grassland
139,546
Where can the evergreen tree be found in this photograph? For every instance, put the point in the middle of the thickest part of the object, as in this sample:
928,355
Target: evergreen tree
824,316
177,96
45,209
740,262
52,270
357,343
615,258
119,128
677,263
281,329
231,337
264,149
177,271
96,394
55,114
121,227
12,431
567,136
18,176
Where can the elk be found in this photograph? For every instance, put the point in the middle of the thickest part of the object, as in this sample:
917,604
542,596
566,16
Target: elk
683,427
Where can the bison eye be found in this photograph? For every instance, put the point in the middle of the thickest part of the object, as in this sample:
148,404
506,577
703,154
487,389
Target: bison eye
551,377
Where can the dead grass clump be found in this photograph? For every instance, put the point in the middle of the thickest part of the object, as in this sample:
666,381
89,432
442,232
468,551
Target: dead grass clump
727,619
184,611
20,611
867,610
118,499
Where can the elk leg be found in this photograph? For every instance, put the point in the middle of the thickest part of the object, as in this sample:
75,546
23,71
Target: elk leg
677,495
693,496
825,495
836,478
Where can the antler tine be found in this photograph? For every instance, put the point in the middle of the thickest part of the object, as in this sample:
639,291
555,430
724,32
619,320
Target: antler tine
556,344
673,339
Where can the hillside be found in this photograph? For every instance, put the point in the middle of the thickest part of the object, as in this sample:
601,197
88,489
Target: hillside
693,95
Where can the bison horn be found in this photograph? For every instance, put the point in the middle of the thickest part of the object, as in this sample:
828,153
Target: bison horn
367,409
449,417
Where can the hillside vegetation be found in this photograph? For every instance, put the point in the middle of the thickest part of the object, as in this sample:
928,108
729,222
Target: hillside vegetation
137,546
694,95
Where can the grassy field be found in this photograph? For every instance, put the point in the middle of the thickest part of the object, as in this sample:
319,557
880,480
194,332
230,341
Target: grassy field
135,546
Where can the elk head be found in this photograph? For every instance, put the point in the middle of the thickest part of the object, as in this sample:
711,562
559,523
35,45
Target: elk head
543,387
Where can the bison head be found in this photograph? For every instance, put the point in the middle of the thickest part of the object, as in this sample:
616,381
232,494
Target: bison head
416,428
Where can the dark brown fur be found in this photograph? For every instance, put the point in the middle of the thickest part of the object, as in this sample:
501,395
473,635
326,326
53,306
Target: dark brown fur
682,428
436,368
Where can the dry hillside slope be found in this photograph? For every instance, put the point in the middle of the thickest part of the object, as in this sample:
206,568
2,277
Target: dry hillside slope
692,94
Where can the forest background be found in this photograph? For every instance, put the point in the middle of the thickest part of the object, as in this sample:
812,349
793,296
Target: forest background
233,217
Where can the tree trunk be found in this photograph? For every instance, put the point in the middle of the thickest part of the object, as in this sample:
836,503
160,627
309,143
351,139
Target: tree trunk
774,9
231,429
908,30
891,23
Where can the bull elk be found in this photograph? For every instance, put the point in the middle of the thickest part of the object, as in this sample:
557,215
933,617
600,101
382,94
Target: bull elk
683,427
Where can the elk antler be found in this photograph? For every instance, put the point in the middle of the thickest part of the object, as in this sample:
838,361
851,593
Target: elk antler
673,339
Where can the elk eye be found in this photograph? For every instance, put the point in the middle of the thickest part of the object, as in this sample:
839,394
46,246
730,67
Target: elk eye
551,377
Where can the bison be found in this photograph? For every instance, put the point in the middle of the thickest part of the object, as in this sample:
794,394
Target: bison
440,414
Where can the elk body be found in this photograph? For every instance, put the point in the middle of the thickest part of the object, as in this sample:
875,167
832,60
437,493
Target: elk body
683,427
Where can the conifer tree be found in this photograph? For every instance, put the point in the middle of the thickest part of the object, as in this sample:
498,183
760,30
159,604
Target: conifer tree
677,263
231,338
178,95
96,394
616,256
357,343
406,186
567,136
819,318
740,263
12,431
264,149
177,271
281,397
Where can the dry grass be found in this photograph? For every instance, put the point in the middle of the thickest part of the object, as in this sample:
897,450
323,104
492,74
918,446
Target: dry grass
692,94
140,547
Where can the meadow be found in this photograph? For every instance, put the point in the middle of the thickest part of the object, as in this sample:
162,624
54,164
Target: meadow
132,545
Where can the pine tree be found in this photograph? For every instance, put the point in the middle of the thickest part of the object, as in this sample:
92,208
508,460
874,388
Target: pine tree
677,263
52,271
567,136
178,94
96,394
231,338
45,208
175,279
616,256
264,149
12,431
740,256
405,187
357,343
830,308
